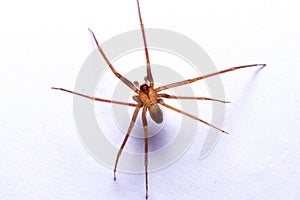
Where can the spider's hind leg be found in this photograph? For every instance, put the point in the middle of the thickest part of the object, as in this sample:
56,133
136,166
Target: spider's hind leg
133,119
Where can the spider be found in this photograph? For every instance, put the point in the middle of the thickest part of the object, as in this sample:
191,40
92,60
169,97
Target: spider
149,98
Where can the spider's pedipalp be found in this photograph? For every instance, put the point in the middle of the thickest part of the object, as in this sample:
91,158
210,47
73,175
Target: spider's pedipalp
136,83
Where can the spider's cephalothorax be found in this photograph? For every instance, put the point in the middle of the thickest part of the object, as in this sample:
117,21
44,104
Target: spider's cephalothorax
148,97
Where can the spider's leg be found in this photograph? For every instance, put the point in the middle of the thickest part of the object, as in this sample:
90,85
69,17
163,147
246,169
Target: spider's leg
191,116
149,74
203,77
95,98
134,116
189,98
136,98
146,147
122,78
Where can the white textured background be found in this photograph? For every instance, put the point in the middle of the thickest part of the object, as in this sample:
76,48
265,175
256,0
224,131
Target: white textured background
43,44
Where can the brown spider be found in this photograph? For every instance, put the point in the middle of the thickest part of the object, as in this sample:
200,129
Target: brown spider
148,97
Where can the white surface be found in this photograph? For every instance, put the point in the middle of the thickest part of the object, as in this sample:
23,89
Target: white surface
43,44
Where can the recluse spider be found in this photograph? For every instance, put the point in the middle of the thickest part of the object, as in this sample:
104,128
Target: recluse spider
149,98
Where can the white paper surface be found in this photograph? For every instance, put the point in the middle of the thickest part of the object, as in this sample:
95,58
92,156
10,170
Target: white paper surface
44,44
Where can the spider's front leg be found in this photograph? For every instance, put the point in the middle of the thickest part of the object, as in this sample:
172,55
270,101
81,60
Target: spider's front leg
149,73
122,78
176,84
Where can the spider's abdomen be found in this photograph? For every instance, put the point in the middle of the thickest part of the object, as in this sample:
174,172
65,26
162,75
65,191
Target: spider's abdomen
156,113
